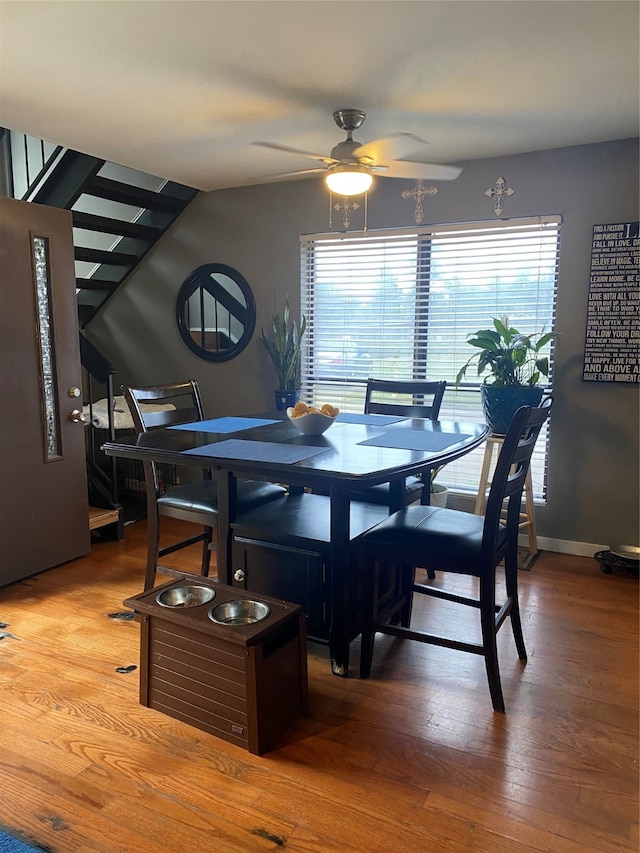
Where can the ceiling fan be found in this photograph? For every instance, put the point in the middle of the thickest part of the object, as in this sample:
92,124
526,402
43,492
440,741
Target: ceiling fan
350,167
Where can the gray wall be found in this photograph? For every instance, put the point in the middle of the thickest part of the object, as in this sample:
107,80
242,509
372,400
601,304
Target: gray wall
593,465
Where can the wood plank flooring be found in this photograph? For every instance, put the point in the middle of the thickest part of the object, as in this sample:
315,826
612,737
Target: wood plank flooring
412,760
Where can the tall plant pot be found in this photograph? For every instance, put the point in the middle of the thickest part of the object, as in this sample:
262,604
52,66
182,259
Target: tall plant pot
284,399
438,495
501,404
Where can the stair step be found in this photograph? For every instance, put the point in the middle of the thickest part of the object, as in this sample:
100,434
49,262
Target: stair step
103,256
96,284
105,225
101,517
135,196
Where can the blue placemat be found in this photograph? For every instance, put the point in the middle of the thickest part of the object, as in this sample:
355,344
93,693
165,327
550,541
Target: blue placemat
415,439
369,420
257,451
224,425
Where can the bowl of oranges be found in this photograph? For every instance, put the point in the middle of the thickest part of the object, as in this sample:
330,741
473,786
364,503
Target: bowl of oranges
312,420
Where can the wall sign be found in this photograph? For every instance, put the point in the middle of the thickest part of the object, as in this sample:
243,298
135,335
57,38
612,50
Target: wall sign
612,345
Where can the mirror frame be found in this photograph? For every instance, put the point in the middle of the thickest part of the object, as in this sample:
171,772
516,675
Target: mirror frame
200,277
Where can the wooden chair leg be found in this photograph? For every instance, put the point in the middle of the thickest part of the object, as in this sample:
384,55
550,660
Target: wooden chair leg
511,581
153,540
206,552
370,614
489,641
530,514
406,590
398,581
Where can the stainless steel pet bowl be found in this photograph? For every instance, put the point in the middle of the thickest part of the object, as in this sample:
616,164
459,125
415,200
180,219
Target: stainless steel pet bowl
240,611
627,552
189,595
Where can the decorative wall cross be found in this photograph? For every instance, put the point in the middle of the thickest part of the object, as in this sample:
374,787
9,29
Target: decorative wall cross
419,193
346,206
499,193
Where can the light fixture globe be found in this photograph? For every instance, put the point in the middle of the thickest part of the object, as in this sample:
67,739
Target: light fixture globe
349,179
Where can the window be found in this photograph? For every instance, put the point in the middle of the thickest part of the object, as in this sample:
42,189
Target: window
401,303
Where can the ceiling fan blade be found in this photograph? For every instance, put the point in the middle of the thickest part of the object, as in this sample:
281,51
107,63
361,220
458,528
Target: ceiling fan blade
394,146
288,150
283,176
422,171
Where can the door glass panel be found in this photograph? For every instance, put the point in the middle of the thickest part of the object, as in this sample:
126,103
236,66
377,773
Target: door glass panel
45,338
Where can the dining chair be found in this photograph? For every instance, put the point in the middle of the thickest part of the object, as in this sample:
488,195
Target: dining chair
411,398
158,406
458,542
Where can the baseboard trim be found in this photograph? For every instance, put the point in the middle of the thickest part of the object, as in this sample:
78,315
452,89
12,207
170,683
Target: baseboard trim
565,546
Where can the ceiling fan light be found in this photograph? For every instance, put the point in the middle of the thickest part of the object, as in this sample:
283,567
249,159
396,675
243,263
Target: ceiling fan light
349,179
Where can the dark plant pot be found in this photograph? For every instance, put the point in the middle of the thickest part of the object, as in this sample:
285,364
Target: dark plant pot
501,404
284,399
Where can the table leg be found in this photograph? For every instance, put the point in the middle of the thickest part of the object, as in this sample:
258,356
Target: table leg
227,511
340,569
425,498
396,494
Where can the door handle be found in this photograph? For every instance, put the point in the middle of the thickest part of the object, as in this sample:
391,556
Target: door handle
238,575
78,417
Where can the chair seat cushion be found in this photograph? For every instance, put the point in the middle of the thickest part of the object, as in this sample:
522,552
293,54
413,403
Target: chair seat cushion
203,496
380,494
419,535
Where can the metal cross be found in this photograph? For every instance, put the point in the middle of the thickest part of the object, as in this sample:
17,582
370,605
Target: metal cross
419,193
346,206
499,193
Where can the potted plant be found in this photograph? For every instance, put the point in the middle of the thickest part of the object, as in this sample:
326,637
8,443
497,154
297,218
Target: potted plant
284,347
437,492
515,367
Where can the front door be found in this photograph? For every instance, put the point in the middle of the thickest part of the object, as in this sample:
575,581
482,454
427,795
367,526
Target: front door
44,517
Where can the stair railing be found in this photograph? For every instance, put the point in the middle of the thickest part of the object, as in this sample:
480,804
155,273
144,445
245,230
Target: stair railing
30,160
99,370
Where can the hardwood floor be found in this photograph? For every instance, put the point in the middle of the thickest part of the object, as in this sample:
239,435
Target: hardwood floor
413,759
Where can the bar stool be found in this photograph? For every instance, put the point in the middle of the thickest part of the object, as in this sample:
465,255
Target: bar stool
453,542
527,518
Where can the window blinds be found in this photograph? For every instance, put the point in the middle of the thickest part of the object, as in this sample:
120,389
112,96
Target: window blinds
401,304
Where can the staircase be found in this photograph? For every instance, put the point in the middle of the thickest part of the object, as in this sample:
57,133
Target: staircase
105,509
119,214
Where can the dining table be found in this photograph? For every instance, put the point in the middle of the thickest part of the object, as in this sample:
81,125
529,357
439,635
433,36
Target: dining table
356,452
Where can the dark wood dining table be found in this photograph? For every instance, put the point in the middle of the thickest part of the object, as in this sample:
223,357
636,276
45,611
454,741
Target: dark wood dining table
356,452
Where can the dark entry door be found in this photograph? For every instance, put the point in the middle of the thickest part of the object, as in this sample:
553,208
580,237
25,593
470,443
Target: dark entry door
44,517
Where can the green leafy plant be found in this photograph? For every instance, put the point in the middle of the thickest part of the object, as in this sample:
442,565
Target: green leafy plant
511,357
284,347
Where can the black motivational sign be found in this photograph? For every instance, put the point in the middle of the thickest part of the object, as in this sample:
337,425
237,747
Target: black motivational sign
611,351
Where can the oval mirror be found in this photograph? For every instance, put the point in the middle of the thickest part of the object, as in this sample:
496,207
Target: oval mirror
216,312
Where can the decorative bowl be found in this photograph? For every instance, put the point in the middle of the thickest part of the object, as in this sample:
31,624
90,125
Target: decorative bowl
313,423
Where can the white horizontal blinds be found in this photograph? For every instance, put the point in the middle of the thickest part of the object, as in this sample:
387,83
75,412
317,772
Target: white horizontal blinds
507,269
400,304
359,298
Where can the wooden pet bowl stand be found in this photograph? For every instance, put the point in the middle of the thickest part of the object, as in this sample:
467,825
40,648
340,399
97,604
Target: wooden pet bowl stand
244,683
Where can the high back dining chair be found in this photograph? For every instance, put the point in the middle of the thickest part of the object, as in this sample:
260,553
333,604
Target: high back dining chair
459,542
411,398
415,398
180,403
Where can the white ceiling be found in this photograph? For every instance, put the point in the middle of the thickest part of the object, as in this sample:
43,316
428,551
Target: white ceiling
181,89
